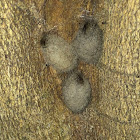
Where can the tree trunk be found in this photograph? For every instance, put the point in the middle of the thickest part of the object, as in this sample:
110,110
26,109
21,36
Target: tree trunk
30,103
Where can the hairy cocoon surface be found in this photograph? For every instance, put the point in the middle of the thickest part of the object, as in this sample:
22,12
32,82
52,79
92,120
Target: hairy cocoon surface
76,92
89,42
59,54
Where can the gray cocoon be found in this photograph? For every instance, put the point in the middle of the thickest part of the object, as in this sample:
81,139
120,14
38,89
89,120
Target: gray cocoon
89,42
76,92
59,54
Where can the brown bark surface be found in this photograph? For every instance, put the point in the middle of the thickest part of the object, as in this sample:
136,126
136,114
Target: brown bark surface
30,103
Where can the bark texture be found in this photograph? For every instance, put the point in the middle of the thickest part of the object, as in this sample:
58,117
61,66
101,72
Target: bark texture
30,96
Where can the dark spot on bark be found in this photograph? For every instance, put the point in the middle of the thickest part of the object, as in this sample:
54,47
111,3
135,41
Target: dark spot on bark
80,79
6,56
43,39
85,27
104,22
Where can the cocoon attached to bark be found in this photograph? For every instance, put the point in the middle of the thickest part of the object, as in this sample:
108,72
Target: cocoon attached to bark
59,54
89,42
76,92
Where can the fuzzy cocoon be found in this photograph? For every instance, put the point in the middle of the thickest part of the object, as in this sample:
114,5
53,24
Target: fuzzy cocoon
89,42
59,54
76,92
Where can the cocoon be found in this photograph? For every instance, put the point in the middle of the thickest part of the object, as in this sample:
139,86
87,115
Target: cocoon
89,42
59,54
76,92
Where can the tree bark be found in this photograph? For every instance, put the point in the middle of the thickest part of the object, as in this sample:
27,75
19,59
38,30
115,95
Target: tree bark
30,103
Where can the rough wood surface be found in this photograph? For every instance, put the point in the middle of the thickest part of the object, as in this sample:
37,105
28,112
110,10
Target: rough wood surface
30,96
